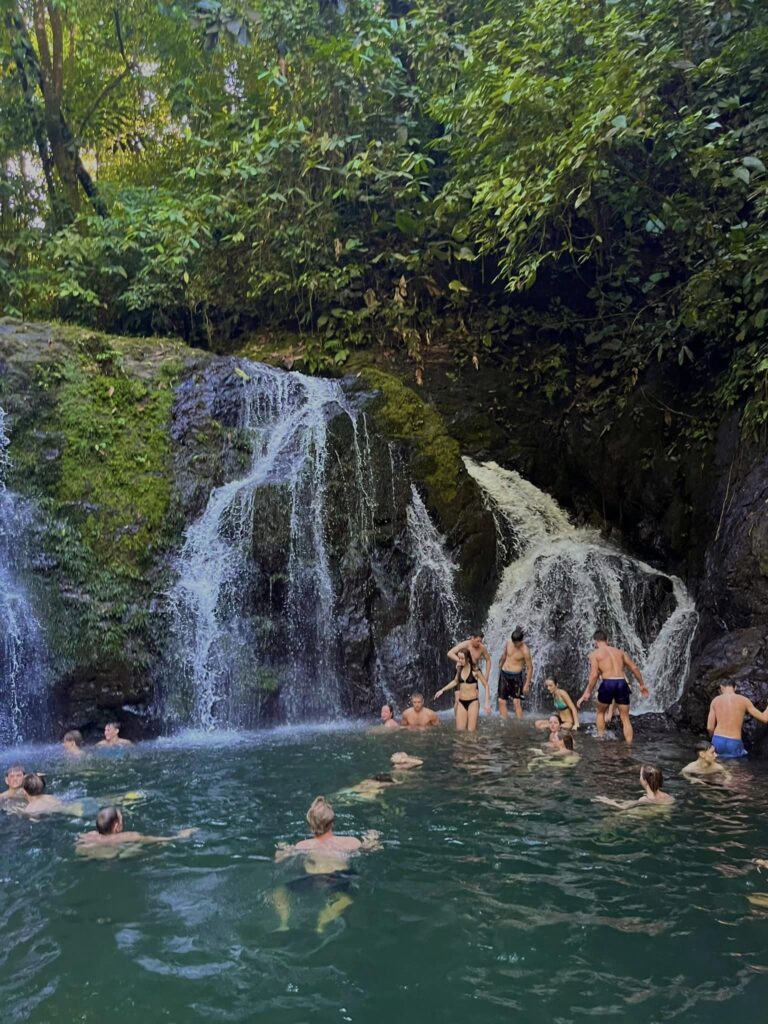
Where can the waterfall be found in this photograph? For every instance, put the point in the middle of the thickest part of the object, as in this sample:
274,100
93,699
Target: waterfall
284,417
563,583
22,648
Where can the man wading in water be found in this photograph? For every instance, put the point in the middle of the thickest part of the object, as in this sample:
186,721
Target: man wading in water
516,673
726,718
609,665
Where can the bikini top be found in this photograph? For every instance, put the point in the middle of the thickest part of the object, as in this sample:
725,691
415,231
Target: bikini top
471,679
560,705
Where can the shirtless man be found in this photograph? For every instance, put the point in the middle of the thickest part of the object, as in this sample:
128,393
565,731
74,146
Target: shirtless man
516,673
479,653
726,718
610,665
112,737
109,839
706,763
14,780
39,802
73,743
417,716
326,864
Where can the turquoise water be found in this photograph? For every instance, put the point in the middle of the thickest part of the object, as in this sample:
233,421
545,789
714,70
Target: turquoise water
500,894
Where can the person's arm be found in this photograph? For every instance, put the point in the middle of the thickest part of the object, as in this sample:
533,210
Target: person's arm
712,719
761,716
593,674
628,663
185,833
503,657
571,707
370,841
448,686
434,720
486,687
619,805
454,651
528,670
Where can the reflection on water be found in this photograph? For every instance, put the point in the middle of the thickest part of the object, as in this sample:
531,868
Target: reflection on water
501,893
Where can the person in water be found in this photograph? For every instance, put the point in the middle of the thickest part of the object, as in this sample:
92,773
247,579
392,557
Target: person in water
110,839
726,719
480,656
706,764
112,737
651,779
554,723
388,719
564,706
39,802
417,716
73,743
14,780
372,788
515,673
326,862
610,665
468,681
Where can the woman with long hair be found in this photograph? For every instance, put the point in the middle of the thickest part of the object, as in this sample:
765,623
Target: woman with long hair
564,706
468,680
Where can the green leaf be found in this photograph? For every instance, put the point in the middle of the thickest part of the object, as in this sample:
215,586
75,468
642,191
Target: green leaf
742,174
753,163
620,121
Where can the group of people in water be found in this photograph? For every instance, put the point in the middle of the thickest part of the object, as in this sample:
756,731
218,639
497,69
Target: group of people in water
326,856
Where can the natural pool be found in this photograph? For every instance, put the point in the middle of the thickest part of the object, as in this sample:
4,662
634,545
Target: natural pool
500,894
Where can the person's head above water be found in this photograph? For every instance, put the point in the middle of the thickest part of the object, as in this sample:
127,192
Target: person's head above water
417,701
402,760
14,777
550,684
555,721
111,730
109,821
34,784
707,754
320,816
73,738
517,635
652,777
599,637
387,712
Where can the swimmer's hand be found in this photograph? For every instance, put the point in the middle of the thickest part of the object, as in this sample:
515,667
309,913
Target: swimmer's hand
186,833
760,863
644,690
583,698
370,841
283,851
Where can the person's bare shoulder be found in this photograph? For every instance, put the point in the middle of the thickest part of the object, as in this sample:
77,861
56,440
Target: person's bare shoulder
348,843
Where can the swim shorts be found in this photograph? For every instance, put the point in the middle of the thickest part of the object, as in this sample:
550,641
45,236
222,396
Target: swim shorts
327,881
727,748
613,690
511,685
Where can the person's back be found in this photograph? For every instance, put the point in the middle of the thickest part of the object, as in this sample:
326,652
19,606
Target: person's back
726,720
610,662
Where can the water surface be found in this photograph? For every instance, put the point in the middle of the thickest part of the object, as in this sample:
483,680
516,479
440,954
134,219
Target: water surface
501,893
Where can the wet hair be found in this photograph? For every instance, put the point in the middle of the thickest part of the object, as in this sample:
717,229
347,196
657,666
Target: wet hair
600,635
652,775
417,695
554,714
391,708
382,777
517,635
15,768
477,632
106,820
114,724
320,816
33,784
568,741
73,736
551,679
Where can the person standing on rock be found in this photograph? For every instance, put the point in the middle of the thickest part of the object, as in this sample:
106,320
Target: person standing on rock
726,719
516,673
480,658
610,665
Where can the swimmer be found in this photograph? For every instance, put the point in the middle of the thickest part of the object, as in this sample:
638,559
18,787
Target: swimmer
554,723
326,862
404,762
14,780
72,743
467,680
564,706
651,779
706,764
515,673
726,719
388,719
109,840
417,716
610,665
563,755
112,737
39,802
372,788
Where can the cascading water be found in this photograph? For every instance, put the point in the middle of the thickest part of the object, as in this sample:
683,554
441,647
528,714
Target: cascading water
565,583
22,647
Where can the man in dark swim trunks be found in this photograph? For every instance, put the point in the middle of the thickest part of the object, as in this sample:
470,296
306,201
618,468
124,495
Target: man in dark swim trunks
516,673
609,665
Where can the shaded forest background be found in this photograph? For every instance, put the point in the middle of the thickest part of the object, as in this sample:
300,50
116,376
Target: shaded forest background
574,189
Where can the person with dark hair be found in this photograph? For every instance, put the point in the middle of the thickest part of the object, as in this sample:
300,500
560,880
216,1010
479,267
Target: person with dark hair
726,721
564,706
610,665
112,737
705,765
39,802
14,780
417,716
560,752
515,673
651,779
388,719
466,682
481,659
73,743
110,840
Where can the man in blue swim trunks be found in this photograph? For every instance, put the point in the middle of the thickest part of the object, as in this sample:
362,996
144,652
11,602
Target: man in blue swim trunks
610,666
726,718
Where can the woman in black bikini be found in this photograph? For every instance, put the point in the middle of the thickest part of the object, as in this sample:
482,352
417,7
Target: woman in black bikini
468,704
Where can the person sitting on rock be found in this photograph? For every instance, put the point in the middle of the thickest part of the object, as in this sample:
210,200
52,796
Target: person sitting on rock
726,719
